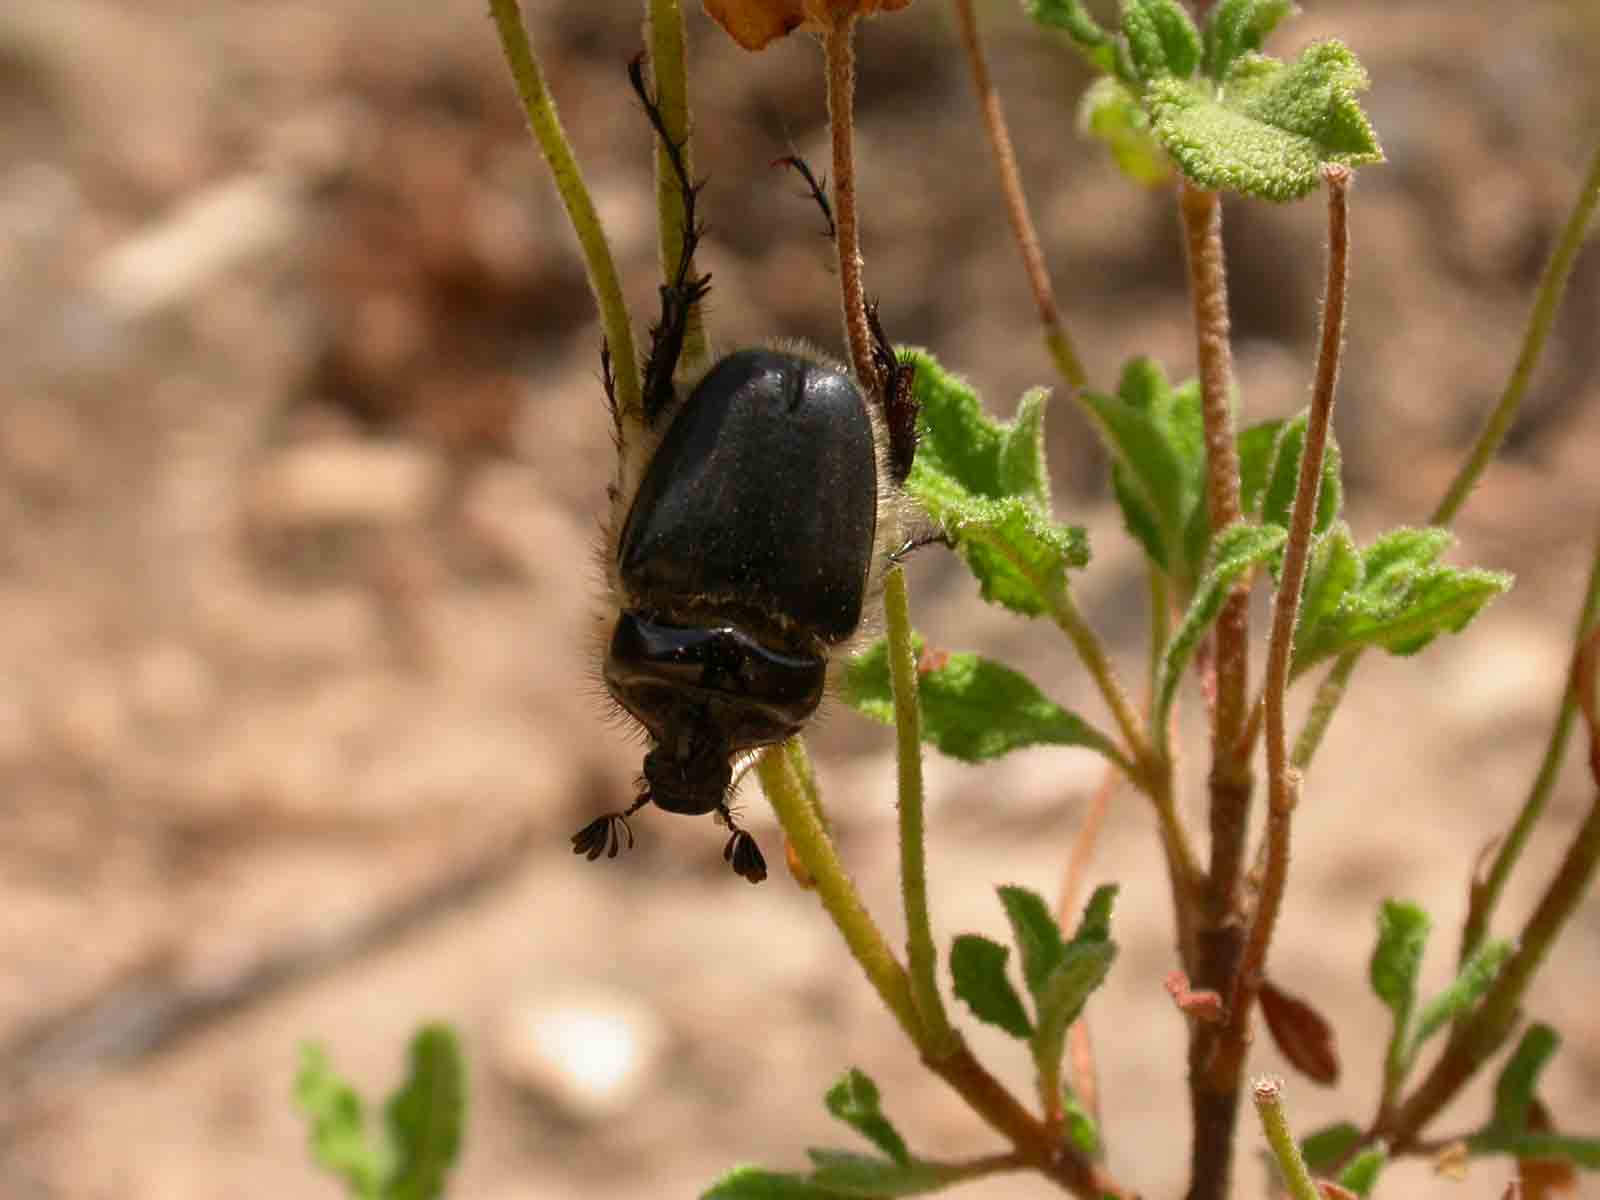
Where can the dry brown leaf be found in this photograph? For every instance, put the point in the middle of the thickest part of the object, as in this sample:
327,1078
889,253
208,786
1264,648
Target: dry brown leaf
1302,1034
754,23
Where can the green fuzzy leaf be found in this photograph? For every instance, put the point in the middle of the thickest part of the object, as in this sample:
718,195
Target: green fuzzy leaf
854,1100
1513,1090
1095,924
1468,987
1334,569
1112,114
1238,549
1276,501
1403,600
1361,1176
339,1143
973,708
1038,937
1402,937
1273,128
986,485
1082,969
754,1183
426,1116
1157,441
1161,39
1239,27
1081,1130
1328,1145
1092,41
844,1173
979,968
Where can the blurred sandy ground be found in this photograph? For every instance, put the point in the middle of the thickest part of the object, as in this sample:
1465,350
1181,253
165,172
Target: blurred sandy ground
301,454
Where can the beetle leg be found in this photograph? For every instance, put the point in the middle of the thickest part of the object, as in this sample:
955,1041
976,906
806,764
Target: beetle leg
741,852
603,835
895,384
683,291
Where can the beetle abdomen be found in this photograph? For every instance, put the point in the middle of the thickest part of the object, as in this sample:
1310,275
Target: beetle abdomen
763,490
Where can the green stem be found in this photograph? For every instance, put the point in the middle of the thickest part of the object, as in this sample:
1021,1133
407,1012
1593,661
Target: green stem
1064,611
1269,1107
1486,894
1056,339
602,269
800,822
921,955
1477,1038
1546,303
664,25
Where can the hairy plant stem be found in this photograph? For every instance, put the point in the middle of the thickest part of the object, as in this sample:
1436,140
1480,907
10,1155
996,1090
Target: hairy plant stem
921,955
1217,937
1486,891
1283,781
540,110
838,48
1037,1146
1546,303
1092,652
665,33
801,822
1269,1107
1056,339
1476,1039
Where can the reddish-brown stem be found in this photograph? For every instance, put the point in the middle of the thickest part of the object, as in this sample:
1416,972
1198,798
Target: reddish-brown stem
1005,161
838,47
1283,781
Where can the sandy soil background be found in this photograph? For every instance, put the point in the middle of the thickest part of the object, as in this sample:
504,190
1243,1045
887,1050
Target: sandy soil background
302,451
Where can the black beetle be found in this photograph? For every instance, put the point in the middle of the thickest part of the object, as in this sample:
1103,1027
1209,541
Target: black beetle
747,519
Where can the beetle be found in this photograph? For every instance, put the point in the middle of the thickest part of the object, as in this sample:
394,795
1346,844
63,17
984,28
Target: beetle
752,508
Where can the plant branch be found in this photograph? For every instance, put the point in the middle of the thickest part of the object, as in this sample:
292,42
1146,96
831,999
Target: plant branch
1005,160
838,47
1486,892
1476,1039
1283,781
540,110
801,822
921,955
1546,303
1064,611
664,24
1269,1107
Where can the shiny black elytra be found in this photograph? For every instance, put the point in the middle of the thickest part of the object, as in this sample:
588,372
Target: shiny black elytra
743,555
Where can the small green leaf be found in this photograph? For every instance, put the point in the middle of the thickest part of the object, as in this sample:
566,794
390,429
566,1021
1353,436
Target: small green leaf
1082,969
1402,601
1237,550
1362,1173
1334,569
1276,502
1094,42
1274,127
1095,924
986,485
1329,1145
1580,1151
1239,27
1469,986
426,1116
1402,937
1513,1090
1161,39
844,1173
1112,114
755,1183
339,1141
1082,1131
973,708
854,1100
1036,933
979,969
